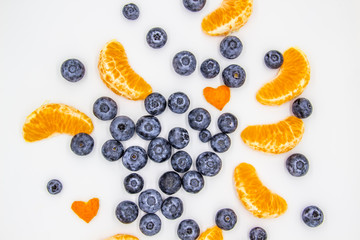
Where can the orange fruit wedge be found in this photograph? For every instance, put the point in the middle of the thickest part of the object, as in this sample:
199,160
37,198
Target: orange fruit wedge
118,75
122,237
50,119
257,198
213,233
290,82
274,138
230,16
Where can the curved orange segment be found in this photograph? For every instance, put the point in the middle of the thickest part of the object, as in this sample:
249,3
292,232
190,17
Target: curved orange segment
53,118
274,138
213,233
257,198
122,237
229,17
290,82
118,75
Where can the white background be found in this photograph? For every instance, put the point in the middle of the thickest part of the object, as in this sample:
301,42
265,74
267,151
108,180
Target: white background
37,36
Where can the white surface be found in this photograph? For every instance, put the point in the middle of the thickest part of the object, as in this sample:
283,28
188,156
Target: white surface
38,35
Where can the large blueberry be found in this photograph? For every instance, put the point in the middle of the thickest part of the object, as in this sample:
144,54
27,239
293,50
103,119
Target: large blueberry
312,216
199,119
82,144
133,183
302,108
150,224
155,104
131,11
179,137
184,63
273,59
127,211
150,201
208,164
148,127
226,219
210,68
257,233
194,5
178,102
227,123
112,150
172,207
159,150
193,182
297,165
220,142
233,76
156,37
105,108
170,182
135,158
54,186
122,128
181,161
73,70
231,47
188,229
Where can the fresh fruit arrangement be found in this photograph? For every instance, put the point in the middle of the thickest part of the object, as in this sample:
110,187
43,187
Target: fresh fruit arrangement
116,73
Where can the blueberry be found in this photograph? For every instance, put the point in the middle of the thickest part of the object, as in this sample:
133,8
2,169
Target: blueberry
227,123
105,108
273,59
297,165
193,182
184,63
155,104
220,142
188,229
231,47
199,119
54,186
122,128
135,158
170,182
127,211
226,219
210,68
112,150
73,70
131,11
179,137
150,201
156,37
302,108
194,5
257,233
233,76
159,150
181,161
205,135
312,216
150,224
172,208
133,183
82,144
148,127
208,164
178,102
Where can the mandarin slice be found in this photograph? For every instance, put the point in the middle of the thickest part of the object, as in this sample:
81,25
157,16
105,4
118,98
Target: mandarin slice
122,237
118,75
257,198
53,118
290,82
230,16
274,138
213,233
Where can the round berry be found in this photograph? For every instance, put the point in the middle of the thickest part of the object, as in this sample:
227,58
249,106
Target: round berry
273,59
297,165
302,108
150,201
181,161
208,164
226,219
133,183
135,158
159,150
205,135
170,182
148,127
312,216
231,47
112,150
156,37
73,70
127,212
193,182
188,229
194,5
82,144
178,137
233,76
220,142
122,128
150,224
155,104
172,208
131,11
257,233
178,102
227,123
105,108
210,68
184,63
54,186
199,119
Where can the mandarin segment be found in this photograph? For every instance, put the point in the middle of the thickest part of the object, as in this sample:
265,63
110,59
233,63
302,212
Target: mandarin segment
213,233
230,16
118,75
257,198
53,118
274,138
290,82
122,237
